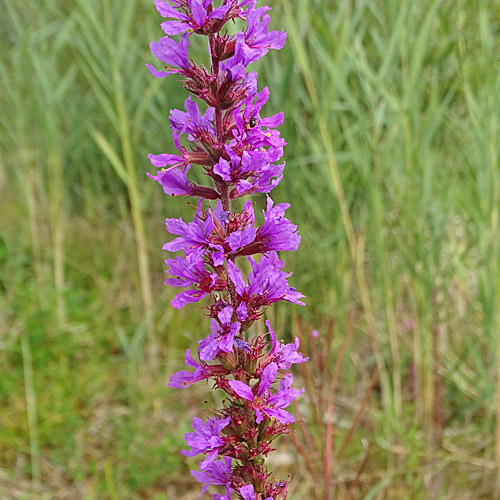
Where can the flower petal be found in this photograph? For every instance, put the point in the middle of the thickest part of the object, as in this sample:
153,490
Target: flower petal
241,389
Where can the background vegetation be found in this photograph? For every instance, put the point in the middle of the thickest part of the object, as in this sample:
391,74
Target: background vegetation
392,114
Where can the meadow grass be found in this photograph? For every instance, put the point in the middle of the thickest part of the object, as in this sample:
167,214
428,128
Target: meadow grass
392,115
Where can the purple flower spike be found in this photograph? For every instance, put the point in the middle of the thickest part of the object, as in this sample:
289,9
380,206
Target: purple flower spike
236,148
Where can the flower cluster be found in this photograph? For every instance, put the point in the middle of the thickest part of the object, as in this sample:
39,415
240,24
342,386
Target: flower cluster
227,258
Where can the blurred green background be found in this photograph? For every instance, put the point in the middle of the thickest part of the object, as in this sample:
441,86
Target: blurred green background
392,115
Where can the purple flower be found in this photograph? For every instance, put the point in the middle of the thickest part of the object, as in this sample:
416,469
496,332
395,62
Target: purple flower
266,403
227,495
171,52
164,160
284,355
277,233
182,379
183,159
218,234
222,336
241,238
232,233
205,439
266,284
174,54
268,281
252,172
186,273
253,105
236,72
216,473
247,493
175,183
192,121
256,41
254,131
194,19
283,397
193,237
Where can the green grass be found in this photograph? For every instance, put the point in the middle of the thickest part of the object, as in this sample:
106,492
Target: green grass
392,115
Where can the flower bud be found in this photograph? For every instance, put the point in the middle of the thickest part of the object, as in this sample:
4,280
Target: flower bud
228,360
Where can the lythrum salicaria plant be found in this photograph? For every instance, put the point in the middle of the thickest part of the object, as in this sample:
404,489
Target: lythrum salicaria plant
229,260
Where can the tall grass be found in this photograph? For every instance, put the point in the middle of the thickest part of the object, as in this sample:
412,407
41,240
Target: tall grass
392,114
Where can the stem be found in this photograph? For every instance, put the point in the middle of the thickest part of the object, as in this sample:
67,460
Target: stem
224,197
214,58
226,204
221,135
31,407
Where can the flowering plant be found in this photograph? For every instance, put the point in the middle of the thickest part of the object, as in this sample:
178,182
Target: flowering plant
239,151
